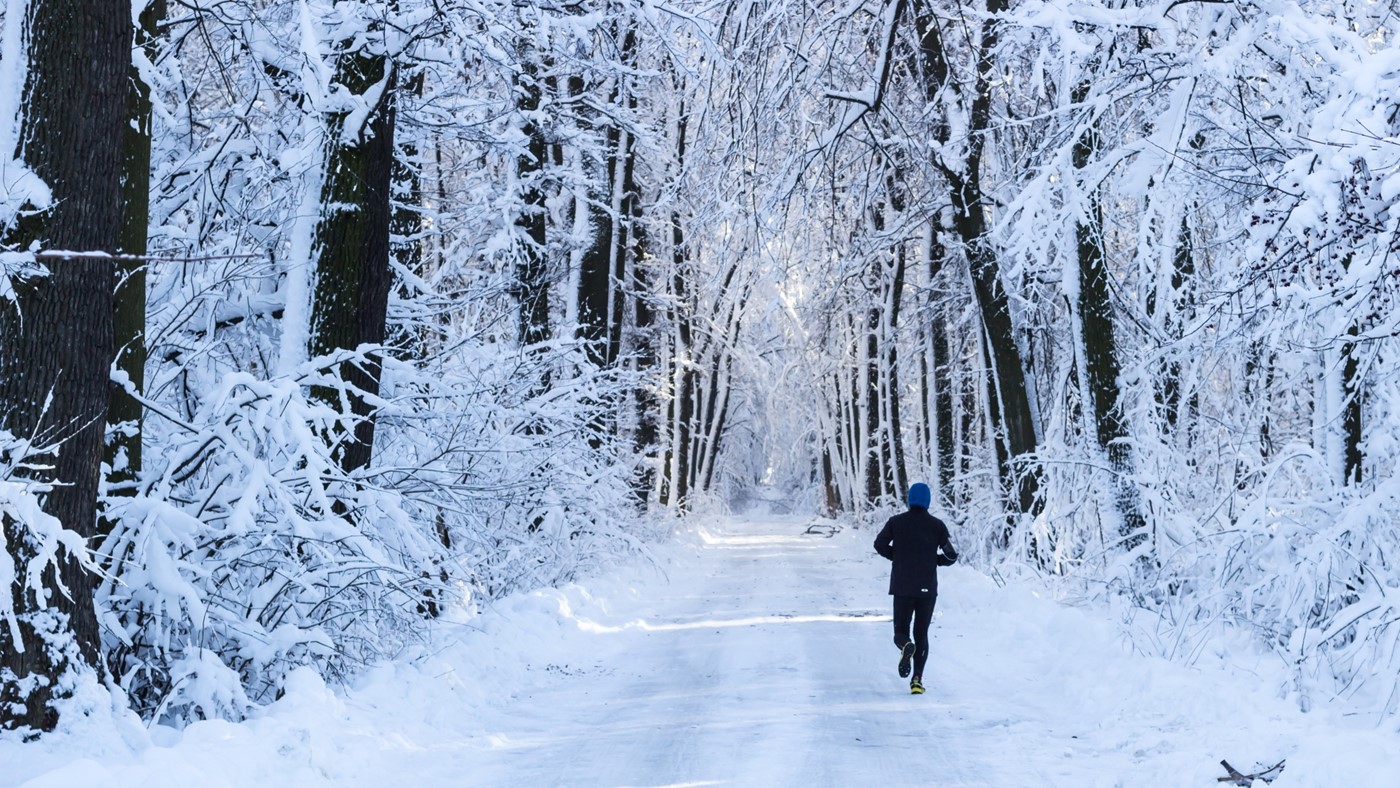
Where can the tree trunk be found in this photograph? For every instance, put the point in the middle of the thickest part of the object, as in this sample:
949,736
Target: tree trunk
645,401
683,374
849,433
947,449
633,270
1095,309
353,275
1353,395
1183,270
719,410
839,452
1010,399
1013,422
831,497
56,337
899,476
872,446
407,239
595,283
531,273
933,76
124,413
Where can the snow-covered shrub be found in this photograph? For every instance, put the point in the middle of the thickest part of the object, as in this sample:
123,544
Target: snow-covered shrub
1308,569
33,544
247,552
524,490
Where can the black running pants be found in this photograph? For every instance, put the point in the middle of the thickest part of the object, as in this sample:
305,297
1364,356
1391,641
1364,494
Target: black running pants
919,609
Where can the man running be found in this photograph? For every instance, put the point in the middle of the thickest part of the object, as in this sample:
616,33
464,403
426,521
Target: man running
917,544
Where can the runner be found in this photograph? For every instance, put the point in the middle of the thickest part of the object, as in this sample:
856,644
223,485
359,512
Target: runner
916,543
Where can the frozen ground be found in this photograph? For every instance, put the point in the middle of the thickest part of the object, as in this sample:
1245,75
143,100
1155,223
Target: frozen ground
751,654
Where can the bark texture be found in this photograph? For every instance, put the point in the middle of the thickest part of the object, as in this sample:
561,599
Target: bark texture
124,447
352,243
56,340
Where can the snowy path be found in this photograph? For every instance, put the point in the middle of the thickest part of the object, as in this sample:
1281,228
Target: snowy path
760,657
756,664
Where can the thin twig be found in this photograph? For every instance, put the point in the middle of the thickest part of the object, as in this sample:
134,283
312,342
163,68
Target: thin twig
61,255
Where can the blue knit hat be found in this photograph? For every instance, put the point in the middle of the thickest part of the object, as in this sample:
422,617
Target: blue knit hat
920,495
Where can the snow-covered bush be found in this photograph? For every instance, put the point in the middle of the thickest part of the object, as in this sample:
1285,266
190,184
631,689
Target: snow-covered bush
247,552
33,545
523,490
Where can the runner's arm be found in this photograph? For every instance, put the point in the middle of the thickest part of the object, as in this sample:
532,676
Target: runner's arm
947,556
884,543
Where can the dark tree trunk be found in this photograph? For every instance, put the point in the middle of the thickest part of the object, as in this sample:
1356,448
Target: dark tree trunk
1352,434
948,450
1095,310
899,476
353,275
1009,396
850,431
406,228
927,436
1183,270
836,457
683,370
831,496
719,410
56,338
531,275
1011,408
1353,395
617,256
678,457
870,398
933,76
648,353
124,411
632,268
686,426
1010,399
595,284
683,374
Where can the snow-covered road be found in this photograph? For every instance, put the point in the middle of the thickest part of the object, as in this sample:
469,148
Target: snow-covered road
753,654
764,661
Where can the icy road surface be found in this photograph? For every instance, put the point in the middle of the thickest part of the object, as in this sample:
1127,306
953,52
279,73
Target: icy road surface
752,654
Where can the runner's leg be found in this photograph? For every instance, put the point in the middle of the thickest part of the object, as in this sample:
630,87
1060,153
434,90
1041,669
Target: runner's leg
923,615
903,612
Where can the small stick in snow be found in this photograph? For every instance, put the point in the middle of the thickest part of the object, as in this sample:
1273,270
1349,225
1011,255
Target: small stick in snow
1248,779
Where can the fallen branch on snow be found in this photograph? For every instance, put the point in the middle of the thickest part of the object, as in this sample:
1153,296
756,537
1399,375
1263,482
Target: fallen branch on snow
1233,776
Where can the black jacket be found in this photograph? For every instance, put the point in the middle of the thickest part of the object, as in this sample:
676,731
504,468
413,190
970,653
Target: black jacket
913,541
